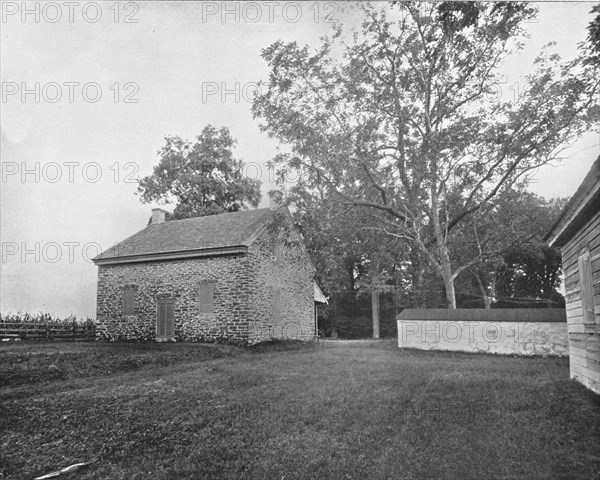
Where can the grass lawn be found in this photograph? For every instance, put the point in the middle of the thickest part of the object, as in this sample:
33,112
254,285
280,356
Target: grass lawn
349,411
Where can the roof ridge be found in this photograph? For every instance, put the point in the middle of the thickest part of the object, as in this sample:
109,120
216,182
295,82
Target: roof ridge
197,233
211,216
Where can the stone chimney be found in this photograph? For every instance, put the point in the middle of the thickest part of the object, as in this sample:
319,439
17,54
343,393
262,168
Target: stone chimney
158,216
275,199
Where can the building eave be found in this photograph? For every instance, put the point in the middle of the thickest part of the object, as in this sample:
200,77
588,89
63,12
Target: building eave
584,202
180,255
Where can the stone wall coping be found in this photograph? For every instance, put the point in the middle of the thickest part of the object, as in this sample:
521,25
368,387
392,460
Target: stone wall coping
535,315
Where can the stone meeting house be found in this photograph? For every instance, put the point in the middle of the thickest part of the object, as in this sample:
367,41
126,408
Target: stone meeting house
235,276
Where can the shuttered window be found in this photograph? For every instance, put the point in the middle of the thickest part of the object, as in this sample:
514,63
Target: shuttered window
128,301
166,316
206,298
587,288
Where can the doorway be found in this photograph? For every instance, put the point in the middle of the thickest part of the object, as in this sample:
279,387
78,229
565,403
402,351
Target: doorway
165,319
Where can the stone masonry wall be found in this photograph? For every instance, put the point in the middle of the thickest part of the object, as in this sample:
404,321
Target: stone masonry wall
292,274
180,280
244,287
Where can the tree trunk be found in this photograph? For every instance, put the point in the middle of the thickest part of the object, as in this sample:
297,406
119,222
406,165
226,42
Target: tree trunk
488,293
446,268
450,293
375,309
419,299
492,294
487,300
445,264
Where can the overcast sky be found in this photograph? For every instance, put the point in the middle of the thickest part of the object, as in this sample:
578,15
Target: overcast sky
114,79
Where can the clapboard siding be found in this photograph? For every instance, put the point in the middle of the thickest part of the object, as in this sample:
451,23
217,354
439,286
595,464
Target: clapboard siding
595,250
583,353
580,327
572,280
588,232
579,371
572,295
574,268
578,340
584,335
572,305
588,235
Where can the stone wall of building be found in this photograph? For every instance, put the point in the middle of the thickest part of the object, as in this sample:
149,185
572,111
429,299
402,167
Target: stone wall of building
180,280
285,269
246,288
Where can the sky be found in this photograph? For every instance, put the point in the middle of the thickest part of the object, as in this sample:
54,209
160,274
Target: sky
90,90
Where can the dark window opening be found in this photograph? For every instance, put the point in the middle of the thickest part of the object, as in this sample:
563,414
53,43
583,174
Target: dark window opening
206,298
129,301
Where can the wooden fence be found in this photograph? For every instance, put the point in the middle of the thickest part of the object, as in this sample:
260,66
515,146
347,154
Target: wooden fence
47,331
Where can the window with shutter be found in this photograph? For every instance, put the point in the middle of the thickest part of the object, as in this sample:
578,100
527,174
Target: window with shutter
129,301
170,327
206,298
587,288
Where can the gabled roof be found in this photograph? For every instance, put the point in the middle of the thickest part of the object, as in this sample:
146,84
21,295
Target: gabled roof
227,233
581,206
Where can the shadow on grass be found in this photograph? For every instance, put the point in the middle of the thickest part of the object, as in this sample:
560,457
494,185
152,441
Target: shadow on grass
27,364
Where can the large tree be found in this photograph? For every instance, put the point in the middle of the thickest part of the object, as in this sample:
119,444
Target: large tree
516,252
407,118
352,259
201,178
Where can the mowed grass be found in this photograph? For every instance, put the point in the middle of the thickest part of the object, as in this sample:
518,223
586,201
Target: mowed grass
347,411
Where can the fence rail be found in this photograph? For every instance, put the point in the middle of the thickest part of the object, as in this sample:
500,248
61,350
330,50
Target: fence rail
41,331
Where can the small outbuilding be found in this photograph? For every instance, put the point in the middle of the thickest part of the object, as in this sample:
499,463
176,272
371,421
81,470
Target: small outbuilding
577,234
242,277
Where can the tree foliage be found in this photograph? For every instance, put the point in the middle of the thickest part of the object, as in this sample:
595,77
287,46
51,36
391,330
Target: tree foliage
201,178
592,46
353,260
530,273
524,270
406,118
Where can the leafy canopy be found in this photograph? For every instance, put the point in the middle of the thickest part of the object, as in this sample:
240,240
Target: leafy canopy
406,116
201,178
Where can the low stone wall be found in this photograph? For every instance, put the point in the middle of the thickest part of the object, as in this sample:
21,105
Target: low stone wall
504,331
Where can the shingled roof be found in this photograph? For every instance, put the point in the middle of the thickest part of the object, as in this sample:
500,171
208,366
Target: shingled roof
227,233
